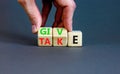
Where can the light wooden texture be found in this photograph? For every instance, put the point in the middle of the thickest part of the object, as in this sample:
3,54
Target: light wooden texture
59,37
75,38
45,36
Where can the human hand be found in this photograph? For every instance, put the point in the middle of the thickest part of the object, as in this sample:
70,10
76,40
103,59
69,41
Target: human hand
63,16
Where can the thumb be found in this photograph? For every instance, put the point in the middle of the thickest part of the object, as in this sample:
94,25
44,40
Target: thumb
36,21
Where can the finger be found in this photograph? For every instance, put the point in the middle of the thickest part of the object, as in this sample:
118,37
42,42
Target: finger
54,24
33,13
60,25
67,15
47,4
58,15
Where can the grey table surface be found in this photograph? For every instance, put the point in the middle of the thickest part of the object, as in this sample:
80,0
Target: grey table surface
99,20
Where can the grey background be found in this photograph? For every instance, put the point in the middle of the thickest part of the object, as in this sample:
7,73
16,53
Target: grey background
99,20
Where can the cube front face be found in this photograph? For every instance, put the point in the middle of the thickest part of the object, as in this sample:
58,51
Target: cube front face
75,38
59,37
45,36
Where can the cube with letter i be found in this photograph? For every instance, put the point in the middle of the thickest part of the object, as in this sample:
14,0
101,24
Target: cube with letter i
75,38
59,37
45,36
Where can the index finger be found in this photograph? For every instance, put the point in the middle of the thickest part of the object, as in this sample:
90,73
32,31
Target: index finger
67,16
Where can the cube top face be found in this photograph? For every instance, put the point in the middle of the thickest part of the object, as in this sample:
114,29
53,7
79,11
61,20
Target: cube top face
45,31
75,38
59,32
76,33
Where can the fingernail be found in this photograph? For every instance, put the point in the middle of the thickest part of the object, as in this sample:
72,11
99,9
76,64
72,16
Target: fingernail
34,29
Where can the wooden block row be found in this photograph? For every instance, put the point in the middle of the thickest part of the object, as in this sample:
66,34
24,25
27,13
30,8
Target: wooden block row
48,36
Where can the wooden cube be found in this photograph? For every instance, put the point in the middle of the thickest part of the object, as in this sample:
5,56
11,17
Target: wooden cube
45,36
59,37
75,38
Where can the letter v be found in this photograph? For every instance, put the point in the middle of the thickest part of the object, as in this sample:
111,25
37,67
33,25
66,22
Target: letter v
59,31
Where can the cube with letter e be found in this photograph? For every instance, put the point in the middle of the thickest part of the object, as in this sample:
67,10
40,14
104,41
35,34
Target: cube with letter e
75,38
